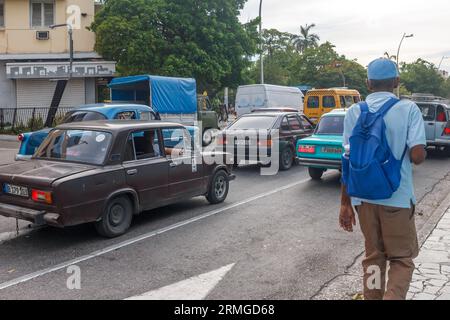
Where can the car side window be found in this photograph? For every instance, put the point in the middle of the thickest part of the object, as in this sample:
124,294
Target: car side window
285,125
306,124
126,115
441,115
177,142
147,116
143,145
313,102
428,112
329,102
294,123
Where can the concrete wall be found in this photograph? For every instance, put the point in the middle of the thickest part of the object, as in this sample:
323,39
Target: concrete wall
19,37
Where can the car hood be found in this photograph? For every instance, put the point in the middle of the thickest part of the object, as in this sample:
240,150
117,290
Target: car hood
39,173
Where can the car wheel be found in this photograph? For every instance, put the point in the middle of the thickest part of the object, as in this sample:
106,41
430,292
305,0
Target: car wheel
207,137
116,219
315,173
286,159
218,190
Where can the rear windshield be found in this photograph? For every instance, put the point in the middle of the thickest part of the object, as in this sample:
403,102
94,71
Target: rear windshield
254,122
331,125
75,146
79,116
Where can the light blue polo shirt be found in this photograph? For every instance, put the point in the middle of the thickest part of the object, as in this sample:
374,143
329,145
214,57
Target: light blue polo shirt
404,126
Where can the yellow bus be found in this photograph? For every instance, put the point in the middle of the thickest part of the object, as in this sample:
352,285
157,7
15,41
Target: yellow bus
321,101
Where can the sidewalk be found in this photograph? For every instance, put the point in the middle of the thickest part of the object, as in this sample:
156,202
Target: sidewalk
431,280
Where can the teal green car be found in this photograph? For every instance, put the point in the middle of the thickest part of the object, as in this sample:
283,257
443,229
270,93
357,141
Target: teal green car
323,150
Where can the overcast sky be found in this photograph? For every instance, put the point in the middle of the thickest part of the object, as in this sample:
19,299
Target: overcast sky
365,29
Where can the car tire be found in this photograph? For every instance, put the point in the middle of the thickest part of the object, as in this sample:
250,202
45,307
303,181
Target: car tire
116,219
207,137
315,173
219,188
286,159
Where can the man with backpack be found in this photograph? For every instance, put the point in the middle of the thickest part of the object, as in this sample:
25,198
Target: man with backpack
382,138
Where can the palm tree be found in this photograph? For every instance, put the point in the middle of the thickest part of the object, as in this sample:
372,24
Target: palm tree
390,57
306,39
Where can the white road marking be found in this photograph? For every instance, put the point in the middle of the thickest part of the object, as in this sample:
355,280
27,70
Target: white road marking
195,288
143,237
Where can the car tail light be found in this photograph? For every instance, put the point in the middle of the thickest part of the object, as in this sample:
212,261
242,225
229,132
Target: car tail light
41,196
21,137
307,149
265,143
221,140
447,131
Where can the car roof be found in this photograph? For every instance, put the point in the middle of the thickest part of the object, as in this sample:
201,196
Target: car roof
270,114
118,125
336,112
105,108
437,103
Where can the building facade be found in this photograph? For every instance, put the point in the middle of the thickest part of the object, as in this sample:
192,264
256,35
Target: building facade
35,57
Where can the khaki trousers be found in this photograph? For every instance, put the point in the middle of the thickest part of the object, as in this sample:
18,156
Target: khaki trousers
390,235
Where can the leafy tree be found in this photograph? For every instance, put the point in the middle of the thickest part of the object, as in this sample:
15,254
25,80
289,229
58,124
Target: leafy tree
188,38
323,67
306,39
422,76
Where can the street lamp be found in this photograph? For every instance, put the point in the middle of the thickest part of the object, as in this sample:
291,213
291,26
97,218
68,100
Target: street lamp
398,56
261,41
70,31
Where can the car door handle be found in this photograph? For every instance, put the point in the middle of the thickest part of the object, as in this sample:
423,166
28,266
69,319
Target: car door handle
132,172
431,124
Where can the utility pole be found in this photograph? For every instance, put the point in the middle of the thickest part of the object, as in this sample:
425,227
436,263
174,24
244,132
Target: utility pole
261,41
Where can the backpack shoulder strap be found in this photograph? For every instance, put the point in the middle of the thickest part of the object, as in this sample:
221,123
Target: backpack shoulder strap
388,106
364,106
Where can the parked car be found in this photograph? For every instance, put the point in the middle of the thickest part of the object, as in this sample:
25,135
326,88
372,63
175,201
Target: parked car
323,150
264,96
321,101
437,124
31,141
251,138
106,172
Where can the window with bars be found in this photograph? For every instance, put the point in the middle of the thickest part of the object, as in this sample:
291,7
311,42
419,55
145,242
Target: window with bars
42,13
2,14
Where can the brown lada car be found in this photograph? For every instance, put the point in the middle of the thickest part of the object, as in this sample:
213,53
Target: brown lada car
107,172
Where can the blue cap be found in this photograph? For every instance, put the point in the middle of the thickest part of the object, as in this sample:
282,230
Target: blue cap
382,69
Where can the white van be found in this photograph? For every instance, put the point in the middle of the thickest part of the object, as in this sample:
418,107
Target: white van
261,96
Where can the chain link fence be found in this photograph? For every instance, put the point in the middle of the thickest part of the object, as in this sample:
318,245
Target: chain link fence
19,120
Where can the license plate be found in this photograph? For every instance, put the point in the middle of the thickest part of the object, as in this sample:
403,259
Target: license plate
242,142
332,150
16,190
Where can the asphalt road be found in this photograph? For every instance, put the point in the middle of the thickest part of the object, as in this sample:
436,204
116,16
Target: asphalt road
275,237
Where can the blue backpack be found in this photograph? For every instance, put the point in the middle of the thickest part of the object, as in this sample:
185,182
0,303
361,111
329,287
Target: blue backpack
371,172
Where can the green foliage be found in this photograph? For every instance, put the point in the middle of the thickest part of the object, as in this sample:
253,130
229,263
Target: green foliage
422,76
188,38
306,39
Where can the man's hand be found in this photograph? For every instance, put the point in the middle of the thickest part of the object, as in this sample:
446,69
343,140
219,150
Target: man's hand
347,218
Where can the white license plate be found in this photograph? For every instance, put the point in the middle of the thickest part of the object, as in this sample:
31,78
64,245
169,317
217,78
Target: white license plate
332,150
242,142
15,190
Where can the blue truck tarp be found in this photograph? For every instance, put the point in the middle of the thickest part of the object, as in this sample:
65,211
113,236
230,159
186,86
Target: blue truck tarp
166,95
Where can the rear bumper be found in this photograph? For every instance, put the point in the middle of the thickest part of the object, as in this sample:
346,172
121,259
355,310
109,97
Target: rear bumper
322,163
439,143
35,216
21,157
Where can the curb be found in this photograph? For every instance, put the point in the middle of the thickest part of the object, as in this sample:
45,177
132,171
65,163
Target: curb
8,138
433,221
